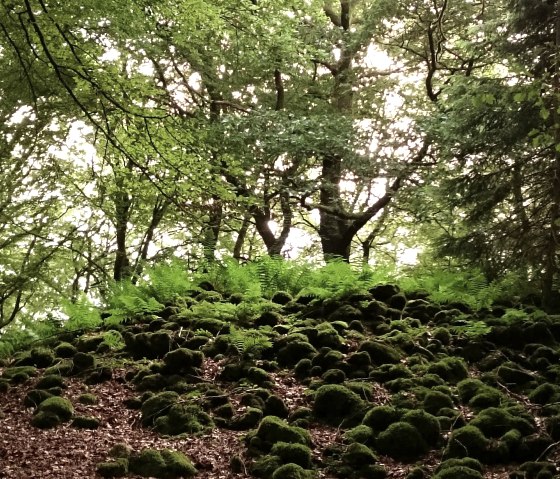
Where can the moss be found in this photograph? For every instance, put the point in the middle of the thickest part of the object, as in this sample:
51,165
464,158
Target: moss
494,422
34,397
59,406
83,361
545,393
273,429
182,360
281,297
275,406
118,468
468,388
359,360
86,422
265,466
467,441
295,351
442,335
486,399
291,471
450,369
380,353
465,461
50,381
225,411
120,449
427,425
177,464
293,453
380,418
257,375
183,418
538,469
88,398
39,357
45,420
362,434
552,424
158,405
513,375
62,368
401,441
335,403
302,369
149,463
346,313
19,374
361,388
334,376
434,401
358,455
458,472
249,419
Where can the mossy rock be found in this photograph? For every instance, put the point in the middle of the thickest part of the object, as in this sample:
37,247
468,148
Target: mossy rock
257,375
248,420
45,420
65,350
83,361
62,368
295,453
380,353
157,406
303,368
488,398
467,441
358,455
39,357
458,472
544,394
468,388
401,441
272,429
346,313
34,397
363,389
294,351
215,326
183,418
56,405
383,292
291,471
50,381
334,376
336,404
164,464
495,422
85,422
281,297
450,369
182,360
426,424
538,469
362,434
275,406
88,398
117,468
265,466
19,374
148,345
380,418
511,374
435,400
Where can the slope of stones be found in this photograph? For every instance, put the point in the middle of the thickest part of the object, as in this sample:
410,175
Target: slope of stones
377,384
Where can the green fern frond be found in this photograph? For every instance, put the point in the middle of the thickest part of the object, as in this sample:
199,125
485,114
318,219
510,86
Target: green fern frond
249,343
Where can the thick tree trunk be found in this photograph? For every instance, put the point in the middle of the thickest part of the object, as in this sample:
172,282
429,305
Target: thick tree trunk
123,204
212,230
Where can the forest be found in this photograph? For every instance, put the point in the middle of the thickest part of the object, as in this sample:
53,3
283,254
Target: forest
296,204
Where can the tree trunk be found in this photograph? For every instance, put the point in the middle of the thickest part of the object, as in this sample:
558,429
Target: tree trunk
212,230
123,204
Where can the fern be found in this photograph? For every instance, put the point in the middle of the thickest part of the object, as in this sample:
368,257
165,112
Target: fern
166,282
249,343
114,339
127,300
473,329
81,314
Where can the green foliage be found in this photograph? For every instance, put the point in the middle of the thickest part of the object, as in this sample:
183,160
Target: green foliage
166,281
114,339
82,314
249,343
127,300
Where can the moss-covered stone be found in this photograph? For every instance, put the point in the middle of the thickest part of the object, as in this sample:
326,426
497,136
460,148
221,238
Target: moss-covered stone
457,472
275,406
88,398
467,441
426,424
117,468
545,393
65,350
335,404
334,376
281,297
380,418
380,353
19,374
45,420
34,397
83,361
362,434
295,453
182,360
157,406
538,469
59,406
435,400
358,455
401,441
183,418
272,429
291,471
86,422
149,463
62,368
294,351
511,374
265,466
450,369
50,381
177,465
247,420
494,422
302,369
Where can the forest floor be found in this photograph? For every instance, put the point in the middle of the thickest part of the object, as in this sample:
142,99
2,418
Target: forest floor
420,357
